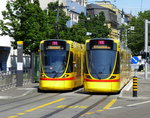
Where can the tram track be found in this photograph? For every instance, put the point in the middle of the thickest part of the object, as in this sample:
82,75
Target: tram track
79,114
90,107
32,100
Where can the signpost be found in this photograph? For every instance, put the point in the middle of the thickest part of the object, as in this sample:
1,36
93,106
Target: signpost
19,80
134,65
135,60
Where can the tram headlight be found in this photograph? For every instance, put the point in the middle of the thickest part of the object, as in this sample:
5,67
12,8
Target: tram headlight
65,76
42,76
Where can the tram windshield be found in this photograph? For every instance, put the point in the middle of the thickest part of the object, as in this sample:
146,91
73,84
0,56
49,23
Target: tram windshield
54,58
54,62
101,58
101,63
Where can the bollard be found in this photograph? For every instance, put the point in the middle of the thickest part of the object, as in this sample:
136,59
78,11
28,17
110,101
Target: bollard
135,87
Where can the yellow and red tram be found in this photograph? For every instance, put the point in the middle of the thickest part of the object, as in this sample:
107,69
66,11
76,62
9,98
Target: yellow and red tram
107,65
61,64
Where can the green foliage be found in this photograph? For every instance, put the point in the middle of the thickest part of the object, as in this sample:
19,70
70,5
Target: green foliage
25,21
57,20
136,37
95,25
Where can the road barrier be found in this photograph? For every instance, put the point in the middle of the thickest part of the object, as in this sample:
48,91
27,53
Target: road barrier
135,86
8,78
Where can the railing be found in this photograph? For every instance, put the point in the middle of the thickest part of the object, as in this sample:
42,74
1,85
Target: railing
8,78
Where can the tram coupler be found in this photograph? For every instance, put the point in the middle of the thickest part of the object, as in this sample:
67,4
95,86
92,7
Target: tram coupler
135,86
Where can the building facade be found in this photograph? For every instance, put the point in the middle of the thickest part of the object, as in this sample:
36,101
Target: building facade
5,44
110,17
73,8
121,17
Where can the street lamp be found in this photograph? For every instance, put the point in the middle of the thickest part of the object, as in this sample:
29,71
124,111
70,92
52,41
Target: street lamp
146,46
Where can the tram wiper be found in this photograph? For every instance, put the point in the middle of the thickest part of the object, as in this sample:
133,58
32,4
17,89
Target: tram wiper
57,72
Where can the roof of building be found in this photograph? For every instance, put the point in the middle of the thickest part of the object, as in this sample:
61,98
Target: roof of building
95,6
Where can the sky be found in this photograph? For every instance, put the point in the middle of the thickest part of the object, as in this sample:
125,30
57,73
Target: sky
129,6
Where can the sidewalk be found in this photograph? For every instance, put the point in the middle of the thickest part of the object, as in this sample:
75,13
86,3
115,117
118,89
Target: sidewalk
15,92
143,91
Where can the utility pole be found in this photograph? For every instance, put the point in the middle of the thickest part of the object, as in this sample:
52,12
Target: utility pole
146,47
57,17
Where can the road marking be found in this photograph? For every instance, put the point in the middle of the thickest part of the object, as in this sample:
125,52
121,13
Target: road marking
110,104
35,108
138,103
130,105
104,108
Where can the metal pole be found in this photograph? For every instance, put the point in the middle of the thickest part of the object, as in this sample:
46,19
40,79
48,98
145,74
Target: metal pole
57,27
19,81
146,47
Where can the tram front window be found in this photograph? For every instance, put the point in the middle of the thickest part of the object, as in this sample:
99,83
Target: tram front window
54,62
101,63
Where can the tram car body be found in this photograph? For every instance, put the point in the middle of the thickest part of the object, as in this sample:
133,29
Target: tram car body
61,64
107,66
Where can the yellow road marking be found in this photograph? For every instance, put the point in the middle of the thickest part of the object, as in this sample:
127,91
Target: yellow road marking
110,104
104,108
35,108
12,116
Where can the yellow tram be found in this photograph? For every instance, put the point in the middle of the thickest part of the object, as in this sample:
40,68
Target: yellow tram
107,65
61,64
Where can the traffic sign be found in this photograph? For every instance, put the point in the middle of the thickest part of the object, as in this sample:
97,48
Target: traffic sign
135,60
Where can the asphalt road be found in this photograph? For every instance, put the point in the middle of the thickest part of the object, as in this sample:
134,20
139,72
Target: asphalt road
74,104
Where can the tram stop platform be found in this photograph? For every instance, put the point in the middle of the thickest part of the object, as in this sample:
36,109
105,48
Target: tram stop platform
143,88
16,92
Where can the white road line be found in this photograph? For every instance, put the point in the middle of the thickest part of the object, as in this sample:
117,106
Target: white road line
138,103
130,105
119,107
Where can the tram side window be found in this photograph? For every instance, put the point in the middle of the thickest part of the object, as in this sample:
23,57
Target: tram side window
117,68
70,66
85,67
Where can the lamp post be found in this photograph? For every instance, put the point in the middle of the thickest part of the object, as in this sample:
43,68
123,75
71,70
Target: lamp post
146,46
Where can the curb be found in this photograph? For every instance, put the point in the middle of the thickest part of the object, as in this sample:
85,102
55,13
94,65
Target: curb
29,90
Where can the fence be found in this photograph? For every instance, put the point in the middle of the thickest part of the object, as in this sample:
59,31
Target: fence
31,72
8,78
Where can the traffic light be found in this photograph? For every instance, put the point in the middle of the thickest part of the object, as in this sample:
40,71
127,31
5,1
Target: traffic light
145,55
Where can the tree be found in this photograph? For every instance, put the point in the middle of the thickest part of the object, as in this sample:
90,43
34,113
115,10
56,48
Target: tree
95,25
25,21
78,31
57,20
136,37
